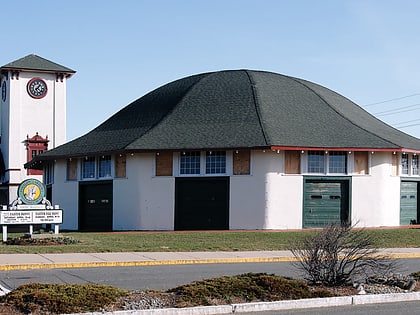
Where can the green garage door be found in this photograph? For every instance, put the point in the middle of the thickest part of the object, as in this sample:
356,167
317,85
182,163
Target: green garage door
409,203
325,201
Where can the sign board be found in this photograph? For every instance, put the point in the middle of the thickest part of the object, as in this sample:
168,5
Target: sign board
53,216
30,207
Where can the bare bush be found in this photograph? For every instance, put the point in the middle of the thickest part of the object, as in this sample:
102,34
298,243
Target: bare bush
338,254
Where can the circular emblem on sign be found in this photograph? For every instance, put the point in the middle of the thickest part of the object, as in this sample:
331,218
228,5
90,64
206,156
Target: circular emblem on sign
31,191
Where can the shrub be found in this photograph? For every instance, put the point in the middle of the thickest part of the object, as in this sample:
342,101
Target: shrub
339,253
248,287
62,298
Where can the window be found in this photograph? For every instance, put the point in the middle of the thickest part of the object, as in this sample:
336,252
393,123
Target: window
337,162
104,166
190,163
404,164
415,165
333,162
88,167
316,163
409,164
215,162
49,173
34,146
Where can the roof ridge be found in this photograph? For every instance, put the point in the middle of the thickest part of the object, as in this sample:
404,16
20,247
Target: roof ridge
173,108
257,106
299,81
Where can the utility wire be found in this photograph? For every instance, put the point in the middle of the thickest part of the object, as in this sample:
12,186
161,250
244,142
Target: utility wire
406,126
391,100
397,110
405,122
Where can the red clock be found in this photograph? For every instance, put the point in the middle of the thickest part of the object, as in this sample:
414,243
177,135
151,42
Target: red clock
37,88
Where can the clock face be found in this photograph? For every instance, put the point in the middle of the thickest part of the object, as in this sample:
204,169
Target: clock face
37,88
3,91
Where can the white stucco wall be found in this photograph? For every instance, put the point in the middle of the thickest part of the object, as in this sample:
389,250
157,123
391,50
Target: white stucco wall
376,197
266,199
143,201
66,195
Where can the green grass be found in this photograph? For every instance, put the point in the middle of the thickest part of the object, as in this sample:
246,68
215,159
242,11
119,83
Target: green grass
197,241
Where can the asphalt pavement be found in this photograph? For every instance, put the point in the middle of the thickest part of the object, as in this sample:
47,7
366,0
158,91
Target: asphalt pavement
80,260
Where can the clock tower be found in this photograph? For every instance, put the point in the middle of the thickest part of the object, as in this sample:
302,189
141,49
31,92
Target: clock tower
32,117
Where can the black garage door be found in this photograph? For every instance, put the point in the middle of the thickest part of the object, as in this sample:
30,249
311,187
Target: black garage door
325,201
202,203
95,206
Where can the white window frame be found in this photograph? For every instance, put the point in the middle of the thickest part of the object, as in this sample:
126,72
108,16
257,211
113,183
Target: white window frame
177,164
108,160
409,170
305,163
417,173
96,162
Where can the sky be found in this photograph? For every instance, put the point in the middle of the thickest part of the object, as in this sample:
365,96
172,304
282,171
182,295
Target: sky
366,50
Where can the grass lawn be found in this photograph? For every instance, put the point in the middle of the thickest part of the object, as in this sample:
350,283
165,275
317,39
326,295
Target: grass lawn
198,241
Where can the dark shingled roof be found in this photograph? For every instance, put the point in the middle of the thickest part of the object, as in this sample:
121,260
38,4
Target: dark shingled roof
238,109
33,62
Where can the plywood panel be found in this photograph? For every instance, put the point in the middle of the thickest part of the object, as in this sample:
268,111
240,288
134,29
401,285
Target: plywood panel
242,162
72,169
120,166
292,162
361,164
394,169
164,164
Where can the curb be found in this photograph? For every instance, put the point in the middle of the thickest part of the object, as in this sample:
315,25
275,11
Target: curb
273,306
144,263
11,267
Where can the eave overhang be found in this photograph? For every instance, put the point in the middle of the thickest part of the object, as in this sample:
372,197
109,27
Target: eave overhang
349,149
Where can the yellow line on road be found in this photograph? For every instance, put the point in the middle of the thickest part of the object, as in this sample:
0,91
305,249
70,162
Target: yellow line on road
169,262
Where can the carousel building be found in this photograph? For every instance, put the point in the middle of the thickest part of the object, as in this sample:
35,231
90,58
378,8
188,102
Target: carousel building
236,149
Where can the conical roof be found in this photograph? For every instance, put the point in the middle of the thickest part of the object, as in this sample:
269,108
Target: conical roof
238,109
36,63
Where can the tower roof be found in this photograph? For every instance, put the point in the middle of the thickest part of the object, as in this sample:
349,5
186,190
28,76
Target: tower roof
36,63
239,109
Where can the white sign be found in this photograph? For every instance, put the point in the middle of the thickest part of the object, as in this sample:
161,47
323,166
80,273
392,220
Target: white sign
54,216
31,207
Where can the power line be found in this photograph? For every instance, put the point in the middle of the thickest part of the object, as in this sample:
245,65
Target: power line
406,126
397,110
405,122
391,100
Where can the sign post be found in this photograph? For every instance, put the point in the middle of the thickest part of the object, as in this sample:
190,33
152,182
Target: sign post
31,207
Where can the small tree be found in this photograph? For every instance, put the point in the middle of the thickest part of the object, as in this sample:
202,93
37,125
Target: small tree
339,253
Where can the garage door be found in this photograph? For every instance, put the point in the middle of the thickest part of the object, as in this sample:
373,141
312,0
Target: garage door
95,206
409,203
326,201
202,203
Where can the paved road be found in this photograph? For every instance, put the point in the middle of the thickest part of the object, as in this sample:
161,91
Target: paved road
156,277
147,277
405,308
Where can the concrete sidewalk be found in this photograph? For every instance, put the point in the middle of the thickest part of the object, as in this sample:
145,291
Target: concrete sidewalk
124,259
